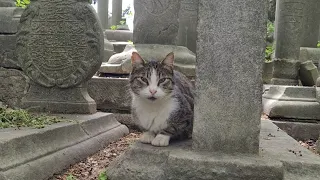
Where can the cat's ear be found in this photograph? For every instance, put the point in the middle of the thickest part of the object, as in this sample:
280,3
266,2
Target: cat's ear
136,60
168,60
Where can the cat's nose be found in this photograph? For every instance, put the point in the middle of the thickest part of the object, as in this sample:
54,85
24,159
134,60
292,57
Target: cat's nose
152,91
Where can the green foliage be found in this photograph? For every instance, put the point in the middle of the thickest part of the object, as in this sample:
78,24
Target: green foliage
10,118
318,45
270,47
270,28
113,27
71,177
122,22
22,3
103,176
268,53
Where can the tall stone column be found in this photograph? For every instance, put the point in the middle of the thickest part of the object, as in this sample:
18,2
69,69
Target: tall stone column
228,75
116,12
311,20
103,6
289,20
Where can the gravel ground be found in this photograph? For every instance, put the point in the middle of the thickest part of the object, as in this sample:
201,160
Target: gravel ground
92,166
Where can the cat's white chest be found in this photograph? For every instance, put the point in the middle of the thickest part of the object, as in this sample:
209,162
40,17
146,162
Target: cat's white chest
153,115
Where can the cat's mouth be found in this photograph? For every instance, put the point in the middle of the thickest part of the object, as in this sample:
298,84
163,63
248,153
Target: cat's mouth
152,98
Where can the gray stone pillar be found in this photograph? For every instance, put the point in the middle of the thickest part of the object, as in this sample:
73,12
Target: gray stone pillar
228,75
311,20
116,12
289,18
188,16
103,7
156,21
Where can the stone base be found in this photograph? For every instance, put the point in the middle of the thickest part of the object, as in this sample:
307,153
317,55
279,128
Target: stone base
308,73
35,154
288,82
310,54
57,100
179,161
285,72
291,102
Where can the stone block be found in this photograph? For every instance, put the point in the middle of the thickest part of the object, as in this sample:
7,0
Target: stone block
32,154
13,86
299,130
185,60
118,35
108,50
9,19
120,46
291,102
110,94
156,22
7,47
58,100
285,72
267,72
188,17
308,73
310,54
229,78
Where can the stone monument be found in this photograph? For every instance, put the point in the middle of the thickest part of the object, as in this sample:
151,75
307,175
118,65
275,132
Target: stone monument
187,33
289,18
155,31
116,12
225,141
156,21
103,7
60,47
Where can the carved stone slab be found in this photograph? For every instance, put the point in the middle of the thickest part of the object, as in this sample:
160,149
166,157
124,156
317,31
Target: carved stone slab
60,43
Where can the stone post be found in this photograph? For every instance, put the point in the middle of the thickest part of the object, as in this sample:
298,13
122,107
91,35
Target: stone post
311,22
188,16
116,12
289,18
228,75
103,6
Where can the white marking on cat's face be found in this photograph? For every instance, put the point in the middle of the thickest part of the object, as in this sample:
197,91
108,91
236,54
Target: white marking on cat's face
153,91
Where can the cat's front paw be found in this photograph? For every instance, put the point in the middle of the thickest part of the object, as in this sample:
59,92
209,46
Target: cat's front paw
147,137
161,140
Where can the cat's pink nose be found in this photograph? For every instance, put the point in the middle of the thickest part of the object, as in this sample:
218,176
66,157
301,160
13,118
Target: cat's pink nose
152,91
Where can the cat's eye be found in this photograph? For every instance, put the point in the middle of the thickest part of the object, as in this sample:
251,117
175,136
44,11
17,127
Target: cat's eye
162,80
143,79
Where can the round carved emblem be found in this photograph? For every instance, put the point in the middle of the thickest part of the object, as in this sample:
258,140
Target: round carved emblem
59,43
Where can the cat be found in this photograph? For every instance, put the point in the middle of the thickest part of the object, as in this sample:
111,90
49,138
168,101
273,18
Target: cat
162,100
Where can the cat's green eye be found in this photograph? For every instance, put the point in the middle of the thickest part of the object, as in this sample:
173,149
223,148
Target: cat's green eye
162,80
144,80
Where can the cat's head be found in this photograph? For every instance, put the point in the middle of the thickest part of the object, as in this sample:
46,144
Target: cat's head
152,80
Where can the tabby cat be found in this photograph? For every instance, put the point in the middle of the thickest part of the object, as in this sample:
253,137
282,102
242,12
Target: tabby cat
162,100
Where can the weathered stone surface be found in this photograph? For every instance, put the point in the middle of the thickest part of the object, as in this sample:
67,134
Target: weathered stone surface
228,78
7,3
108,50
57,52
291,102
120,46
34,154
299,130
285,72
288,39
59,100
267,72
13,86
188,17
116,12
185,60
156,21
103,7
144,162
308,73
7,47
118,35
9,19
110,94
310,26
310,54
